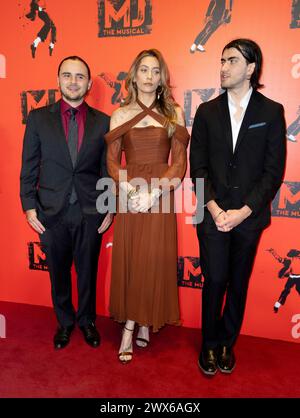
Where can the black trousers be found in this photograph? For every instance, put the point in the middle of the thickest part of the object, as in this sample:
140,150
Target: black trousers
210,27
73,238
226,260
48,26
291,282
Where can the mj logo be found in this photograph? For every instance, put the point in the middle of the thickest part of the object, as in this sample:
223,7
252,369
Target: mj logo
37,257
124,17
287,200
189,272
30,99
193,98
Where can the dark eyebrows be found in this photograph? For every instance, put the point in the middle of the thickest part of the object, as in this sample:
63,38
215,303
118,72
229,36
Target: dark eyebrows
77,74
229,59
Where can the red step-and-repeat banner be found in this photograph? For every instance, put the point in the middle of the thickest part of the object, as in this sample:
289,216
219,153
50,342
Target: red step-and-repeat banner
108,34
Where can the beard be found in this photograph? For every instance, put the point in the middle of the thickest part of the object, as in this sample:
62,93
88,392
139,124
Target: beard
73,97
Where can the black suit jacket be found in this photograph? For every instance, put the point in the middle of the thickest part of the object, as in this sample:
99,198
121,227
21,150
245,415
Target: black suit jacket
252,174
47,172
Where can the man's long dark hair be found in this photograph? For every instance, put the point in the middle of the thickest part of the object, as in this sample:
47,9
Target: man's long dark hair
252,53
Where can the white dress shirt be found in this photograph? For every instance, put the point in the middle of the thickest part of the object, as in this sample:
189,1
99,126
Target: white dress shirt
236,124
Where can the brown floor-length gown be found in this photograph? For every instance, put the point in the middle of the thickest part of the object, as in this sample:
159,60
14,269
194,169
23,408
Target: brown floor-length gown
144,259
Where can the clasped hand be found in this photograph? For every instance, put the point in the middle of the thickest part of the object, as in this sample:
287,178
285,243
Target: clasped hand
225,221
142,201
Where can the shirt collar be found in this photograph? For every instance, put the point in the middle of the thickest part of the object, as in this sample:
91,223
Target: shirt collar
245,100
64,106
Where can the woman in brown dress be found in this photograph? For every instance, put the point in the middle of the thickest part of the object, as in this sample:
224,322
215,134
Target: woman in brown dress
147,127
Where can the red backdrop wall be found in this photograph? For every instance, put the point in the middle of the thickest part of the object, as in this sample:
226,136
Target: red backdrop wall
108,35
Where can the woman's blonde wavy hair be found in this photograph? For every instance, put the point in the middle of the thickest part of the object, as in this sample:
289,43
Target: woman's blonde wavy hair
165,102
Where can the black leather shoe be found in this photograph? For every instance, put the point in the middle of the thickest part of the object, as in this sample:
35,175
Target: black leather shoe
50,51
91,335
208,362
62,337
226,359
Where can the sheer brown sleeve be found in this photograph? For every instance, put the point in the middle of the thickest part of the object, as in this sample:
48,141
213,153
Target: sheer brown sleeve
113,141
176,170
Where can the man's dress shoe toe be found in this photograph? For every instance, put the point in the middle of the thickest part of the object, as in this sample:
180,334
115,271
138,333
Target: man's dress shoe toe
91,335
226,359
208,362
62,337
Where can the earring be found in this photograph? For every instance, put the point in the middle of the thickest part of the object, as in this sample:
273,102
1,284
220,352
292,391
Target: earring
159,91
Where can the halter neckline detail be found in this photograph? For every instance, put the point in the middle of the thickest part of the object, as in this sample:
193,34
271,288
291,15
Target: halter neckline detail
144,107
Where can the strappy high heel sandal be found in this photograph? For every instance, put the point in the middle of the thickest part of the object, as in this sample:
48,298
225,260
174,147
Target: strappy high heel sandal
140,341
128,352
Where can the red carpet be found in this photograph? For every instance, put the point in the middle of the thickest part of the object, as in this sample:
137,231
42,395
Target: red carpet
30,367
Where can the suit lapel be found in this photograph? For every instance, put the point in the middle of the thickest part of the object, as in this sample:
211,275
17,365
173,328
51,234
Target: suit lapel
250,116
59,134
88,130
225,119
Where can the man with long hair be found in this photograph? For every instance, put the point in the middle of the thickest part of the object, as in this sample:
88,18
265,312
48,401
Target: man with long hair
238,148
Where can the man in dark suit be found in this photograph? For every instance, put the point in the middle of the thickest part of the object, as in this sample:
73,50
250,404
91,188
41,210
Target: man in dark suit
238,148
63,158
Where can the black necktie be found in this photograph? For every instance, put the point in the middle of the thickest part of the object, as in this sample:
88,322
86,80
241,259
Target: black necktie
73,144
73,135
